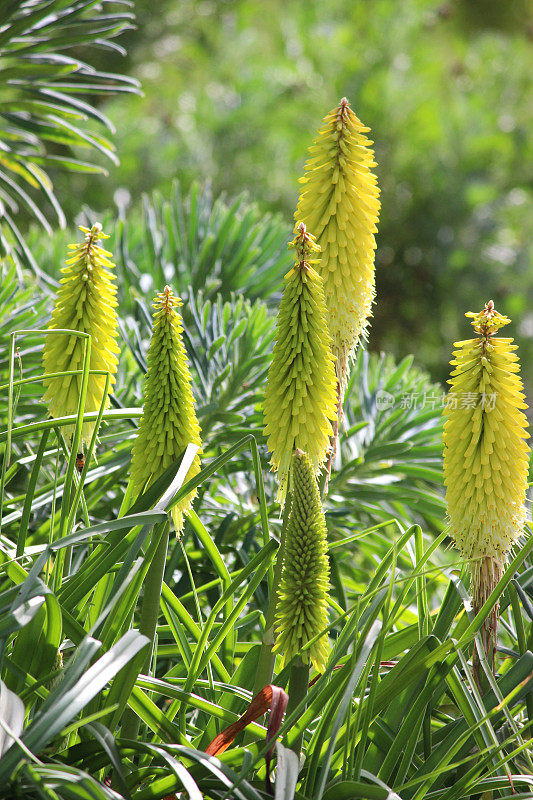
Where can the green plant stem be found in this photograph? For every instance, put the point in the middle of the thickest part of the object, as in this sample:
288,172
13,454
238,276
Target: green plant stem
333,447
126,500
148,622
64,556
26,511
267,659
298,686
522,644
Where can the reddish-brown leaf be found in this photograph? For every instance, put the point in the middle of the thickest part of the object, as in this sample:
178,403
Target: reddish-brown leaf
271,697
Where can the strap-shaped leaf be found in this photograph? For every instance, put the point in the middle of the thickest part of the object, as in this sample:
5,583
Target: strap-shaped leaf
11,717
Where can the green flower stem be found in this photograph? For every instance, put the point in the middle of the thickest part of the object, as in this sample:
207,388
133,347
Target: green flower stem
64,562
333,447
89,454
267,659
152,593
69,478
23,431
151,602
298,686
26,511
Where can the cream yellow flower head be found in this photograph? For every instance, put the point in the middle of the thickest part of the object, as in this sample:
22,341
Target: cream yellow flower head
86,302
300,396
168,423
486,457
339,204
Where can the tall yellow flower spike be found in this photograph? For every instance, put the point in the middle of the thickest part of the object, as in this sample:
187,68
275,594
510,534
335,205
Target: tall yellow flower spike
302,609
486,456
86,302
339,204
300,396
168,423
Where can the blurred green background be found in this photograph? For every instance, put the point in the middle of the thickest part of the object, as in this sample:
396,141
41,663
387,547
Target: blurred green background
234,91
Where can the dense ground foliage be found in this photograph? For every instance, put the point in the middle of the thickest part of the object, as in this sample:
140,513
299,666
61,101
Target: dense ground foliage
401,630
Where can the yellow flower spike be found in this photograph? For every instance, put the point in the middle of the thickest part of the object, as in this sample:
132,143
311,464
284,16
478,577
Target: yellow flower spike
86,302
486,458
302,607
300,396
340,206
168,423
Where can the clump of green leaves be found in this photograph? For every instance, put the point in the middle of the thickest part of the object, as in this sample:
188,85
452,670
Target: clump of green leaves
45,87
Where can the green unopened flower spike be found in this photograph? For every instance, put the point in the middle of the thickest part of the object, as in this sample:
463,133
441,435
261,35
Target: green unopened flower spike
168,423
86,302
339,204
485,455
300,397
302,607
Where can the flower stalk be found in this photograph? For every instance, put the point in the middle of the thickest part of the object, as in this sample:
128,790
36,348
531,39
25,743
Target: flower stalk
301,613
486,458
300,397
86,302
339,204
169,422
300,400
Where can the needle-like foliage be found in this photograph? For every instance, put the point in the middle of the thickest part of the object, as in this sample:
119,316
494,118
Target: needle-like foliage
339,204
300,398
86,302
168,423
